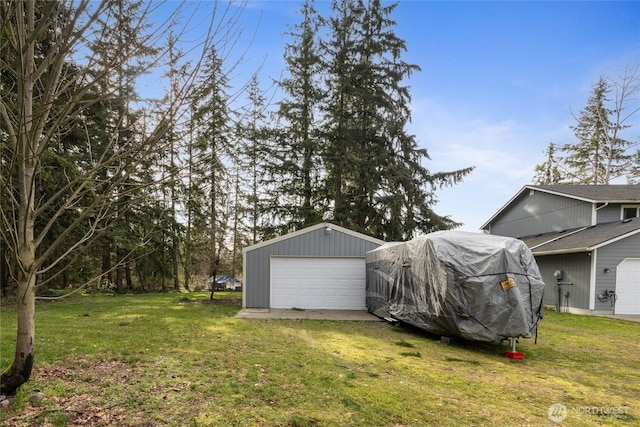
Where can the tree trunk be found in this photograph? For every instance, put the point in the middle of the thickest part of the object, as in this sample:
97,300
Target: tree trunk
119,268
127,275
187,243
236,219
187,253
141,278
174,262
20,371
106,265
26,149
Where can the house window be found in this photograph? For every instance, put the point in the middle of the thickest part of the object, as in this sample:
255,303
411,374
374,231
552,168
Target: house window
630,212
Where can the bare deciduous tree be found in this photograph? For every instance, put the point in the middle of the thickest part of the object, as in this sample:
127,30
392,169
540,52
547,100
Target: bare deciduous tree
46,91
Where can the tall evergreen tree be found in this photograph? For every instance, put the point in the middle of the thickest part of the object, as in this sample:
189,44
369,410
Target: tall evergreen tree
586,157
238,228
374,168
192,195
601,153
339,68
172,166
213,118
124,38
294,159
549,172
252,139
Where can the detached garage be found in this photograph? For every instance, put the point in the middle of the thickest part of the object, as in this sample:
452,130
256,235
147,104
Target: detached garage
319,267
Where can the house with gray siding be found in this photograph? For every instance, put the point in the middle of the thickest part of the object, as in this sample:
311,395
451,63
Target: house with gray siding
586,241
319,267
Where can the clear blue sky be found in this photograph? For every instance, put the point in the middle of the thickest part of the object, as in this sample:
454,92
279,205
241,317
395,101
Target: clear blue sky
498,82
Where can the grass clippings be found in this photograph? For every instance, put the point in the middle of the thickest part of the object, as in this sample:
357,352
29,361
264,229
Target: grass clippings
159,360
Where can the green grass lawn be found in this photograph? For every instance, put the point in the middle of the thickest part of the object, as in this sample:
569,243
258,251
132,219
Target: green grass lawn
179,360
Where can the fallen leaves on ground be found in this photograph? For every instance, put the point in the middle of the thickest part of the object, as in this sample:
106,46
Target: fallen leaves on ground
87,408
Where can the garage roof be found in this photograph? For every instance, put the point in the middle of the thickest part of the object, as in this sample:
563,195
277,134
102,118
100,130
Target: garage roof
325,225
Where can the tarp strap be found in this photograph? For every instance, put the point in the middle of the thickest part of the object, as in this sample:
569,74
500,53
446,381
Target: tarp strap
531,300
471,317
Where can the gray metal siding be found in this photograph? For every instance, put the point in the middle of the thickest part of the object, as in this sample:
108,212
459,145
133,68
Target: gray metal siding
609,257
539,213
576,269
315,243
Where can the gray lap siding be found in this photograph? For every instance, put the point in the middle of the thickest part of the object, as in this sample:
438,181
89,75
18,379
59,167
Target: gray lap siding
576,269
542,213
610,257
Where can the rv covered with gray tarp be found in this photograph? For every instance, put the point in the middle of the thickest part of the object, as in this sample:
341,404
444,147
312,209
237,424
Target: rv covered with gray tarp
475,286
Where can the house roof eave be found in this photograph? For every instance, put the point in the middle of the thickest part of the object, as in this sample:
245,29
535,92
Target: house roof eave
557,192
562,251
585,238
561,236
616,239
486,225
530,188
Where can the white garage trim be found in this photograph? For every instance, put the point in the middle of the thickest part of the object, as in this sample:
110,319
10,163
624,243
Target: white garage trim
335,283
628,286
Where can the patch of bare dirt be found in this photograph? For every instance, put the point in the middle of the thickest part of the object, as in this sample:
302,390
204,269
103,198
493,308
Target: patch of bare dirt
224,301
87,407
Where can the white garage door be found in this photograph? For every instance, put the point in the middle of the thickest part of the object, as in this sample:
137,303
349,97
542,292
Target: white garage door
628,287
318,283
